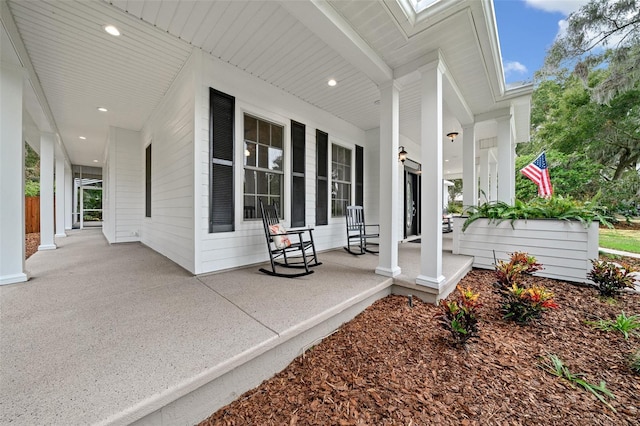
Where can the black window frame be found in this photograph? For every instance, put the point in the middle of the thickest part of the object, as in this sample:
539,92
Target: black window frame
147,181
221,161
322,178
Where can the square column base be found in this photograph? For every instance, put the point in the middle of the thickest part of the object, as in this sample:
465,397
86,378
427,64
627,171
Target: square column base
63,235
434,283
388,272
13,279
47,247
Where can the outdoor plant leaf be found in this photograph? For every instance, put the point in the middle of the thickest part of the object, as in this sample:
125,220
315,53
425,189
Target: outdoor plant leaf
557,368
556,207
624,324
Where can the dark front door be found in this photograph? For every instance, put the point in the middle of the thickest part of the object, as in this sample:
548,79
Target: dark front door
411,204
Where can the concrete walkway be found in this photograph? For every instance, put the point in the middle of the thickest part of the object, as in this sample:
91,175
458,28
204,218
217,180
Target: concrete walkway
119,334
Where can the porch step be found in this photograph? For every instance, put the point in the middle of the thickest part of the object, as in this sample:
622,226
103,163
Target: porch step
197,398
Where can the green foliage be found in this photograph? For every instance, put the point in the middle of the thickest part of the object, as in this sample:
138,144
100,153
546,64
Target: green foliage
610,279
624,324
460,316
31,188
557,368
634,362
523,304
612,23
556,207
31,172
454,191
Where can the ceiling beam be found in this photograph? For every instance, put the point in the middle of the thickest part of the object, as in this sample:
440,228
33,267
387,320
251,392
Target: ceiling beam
325,22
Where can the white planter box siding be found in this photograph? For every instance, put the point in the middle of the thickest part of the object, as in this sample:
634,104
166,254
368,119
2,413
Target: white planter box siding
564,249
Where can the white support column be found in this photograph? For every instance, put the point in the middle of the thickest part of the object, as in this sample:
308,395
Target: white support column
12,226
506,161
431,203
469,178
389,197
47,145
60,197
485,193
68,198
493,178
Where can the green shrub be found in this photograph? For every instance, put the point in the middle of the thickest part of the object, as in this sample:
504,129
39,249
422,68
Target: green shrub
610,279
31,188
460,316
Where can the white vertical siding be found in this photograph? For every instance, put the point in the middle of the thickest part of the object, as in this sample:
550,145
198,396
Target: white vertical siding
170,130
246,245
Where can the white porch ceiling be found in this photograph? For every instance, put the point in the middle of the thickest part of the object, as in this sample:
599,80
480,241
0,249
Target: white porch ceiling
80,67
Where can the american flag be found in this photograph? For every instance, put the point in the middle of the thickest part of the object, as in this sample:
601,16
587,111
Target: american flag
538,172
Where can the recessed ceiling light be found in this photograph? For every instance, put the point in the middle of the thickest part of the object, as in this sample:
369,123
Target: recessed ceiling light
83,138
95,161
446,161
112,30
332,82
102,109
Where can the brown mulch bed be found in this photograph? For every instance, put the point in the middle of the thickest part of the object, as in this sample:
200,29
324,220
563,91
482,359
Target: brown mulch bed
393,364
31,243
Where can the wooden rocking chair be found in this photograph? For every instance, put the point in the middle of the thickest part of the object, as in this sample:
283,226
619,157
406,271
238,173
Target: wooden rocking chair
300,253
359,233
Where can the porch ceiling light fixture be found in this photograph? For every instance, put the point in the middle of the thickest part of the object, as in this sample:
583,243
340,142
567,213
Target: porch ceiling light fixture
112,30
402,154
452,136
82,137
332,82
102,109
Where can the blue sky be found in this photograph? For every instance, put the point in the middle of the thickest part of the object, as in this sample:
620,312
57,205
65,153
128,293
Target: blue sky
527,29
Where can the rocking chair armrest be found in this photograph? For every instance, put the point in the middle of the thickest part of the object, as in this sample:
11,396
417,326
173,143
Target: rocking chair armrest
289,232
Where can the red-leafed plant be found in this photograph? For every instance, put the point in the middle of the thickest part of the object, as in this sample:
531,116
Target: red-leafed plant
522,304
508,273
610,278
460,316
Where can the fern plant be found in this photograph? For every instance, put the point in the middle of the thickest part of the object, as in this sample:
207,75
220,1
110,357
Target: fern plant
556,207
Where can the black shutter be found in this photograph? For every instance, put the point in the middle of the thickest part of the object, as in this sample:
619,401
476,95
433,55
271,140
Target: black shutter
147,182
322,181
297,174
221,136
359,176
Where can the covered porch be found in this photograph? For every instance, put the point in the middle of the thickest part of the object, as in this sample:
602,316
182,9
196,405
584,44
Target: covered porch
119,334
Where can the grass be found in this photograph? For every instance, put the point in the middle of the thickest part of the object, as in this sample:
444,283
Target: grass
620,239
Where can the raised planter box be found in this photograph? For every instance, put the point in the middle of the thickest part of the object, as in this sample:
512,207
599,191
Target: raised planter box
565,249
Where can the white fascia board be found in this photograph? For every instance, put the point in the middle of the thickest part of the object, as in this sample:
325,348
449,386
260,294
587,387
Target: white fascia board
325,22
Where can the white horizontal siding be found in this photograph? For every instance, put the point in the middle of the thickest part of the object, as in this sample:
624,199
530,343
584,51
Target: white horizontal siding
170,130
247,245
563,248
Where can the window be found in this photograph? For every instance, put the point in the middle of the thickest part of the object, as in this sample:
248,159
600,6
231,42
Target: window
263,165
359,176
147,182
340,180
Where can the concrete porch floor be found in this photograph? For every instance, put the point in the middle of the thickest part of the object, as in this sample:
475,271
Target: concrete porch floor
120,334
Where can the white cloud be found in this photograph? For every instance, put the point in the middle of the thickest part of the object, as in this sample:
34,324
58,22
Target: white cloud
514,67
561,6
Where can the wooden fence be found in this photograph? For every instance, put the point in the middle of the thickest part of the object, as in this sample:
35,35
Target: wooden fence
32,214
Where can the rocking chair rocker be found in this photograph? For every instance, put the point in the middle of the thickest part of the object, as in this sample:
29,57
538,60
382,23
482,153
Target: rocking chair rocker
300,254
358,233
